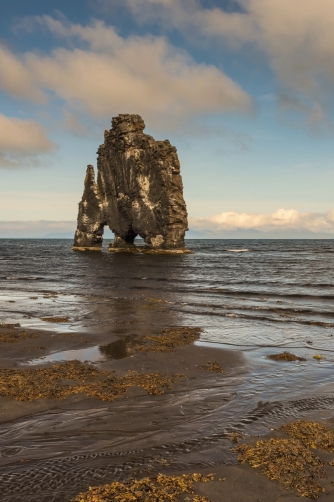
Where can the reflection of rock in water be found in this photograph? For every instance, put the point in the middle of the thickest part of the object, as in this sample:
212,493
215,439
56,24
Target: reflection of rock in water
119,349
138,192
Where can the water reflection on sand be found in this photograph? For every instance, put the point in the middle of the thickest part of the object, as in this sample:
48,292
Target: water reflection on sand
115,350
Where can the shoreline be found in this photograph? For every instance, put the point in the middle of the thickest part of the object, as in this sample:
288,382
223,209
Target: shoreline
161,427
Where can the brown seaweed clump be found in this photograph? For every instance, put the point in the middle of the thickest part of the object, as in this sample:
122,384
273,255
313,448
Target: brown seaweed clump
235,437
285,356
160,488
55,319
72,377
10,325
169,339
15,336
213,366
311,434
30,349
287,461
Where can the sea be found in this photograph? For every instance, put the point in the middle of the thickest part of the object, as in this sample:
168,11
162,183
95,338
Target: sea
259,297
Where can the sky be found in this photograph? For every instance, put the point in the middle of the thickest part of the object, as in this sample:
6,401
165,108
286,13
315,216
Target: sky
242,88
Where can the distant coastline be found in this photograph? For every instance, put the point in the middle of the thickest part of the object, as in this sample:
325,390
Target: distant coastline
46,229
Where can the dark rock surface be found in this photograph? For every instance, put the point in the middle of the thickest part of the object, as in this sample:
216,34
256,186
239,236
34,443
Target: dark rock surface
138,192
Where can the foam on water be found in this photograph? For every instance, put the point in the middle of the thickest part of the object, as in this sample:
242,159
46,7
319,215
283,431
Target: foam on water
237,250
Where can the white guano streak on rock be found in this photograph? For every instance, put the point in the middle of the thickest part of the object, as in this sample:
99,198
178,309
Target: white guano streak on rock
144,185
132,153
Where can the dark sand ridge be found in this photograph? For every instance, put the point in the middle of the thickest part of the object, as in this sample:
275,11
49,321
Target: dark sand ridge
188,360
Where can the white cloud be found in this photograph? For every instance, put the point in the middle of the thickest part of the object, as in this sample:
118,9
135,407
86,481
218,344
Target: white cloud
112,75
22,142
16,79
282,219
297,37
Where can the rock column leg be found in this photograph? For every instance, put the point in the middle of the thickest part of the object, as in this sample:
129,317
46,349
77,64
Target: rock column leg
88,235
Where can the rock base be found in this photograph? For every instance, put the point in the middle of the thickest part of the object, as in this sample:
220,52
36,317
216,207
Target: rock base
77,248
147,250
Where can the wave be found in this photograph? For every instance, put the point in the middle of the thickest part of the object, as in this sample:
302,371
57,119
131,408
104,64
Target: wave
266,294
23,278
290,320
270,309
244,250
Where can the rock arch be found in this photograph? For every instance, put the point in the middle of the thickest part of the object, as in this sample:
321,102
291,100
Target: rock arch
138,191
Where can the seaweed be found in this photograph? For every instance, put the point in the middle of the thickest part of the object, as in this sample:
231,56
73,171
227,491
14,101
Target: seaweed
72,377
285,356
152,303
160,488
287,461
15,336
213,366
235,437
30,349
311,434
169,339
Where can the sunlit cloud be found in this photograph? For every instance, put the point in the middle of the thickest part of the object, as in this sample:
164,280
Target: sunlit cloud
22,143
297,38
282,219
103,74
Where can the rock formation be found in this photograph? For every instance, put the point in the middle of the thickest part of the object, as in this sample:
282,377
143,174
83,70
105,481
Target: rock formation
138,192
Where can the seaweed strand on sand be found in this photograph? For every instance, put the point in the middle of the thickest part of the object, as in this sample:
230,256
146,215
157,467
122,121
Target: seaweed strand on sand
73,377
169,339
159,488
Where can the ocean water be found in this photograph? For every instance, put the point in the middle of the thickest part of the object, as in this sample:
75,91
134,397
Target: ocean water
257,296
245,293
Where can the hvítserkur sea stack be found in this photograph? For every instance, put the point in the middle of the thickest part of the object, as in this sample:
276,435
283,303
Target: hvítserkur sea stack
138,191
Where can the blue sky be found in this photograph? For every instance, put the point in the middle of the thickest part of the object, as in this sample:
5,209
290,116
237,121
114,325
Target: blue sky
243,89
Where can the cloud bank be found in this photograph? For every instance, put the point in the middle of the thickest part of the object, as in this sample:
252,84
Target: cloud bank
22,142
281,220
284,223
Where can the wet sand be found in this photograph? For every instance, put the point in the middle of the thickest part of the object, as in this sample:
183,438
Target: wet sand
244,484
57,448
63,446
189,361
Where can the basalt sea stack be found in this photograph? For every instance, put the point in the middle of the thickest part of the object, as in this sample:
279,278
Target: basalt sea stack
138,192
